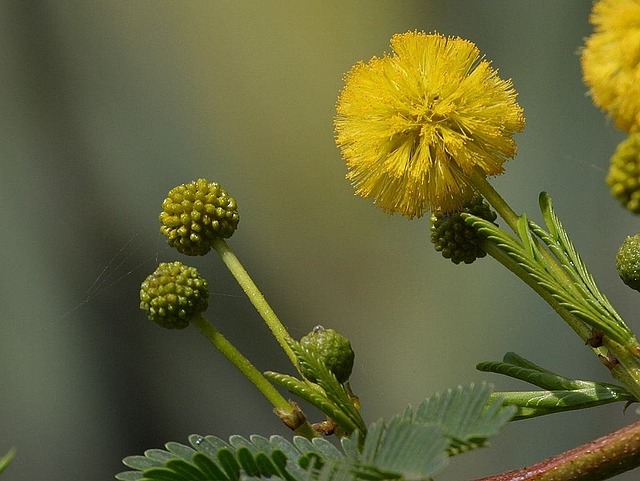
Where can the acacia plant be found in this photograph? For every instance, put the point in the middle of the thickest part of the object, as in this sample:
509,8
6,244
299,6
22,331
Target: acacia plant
421,130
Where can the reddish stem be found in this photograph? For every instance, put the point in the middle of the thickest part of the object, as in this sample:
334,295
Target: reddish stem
603,458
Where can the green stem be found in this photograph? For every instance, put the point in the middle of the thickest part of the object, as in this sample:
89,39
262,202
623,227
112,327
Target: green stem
625,367
281,405
492,196
254,295
603,458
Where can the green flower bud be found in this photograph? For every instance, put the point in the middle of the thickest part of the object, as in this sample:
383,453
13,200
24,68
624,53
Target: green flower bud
173,295
454,238
628,262
194,214
624,173
332,349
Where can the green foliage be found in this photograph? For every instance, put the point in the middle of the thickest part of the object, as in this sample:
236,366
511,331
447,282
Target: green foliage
569,284
598,306
409,446
560,393
467,416
402,449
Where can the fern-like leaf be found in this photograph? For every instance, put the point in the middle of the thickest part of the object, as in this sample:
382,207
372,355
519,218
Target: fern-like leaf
209,458
417,446
518,367
403,449
595,305
407,447
569,284
467,416
538,403
560,393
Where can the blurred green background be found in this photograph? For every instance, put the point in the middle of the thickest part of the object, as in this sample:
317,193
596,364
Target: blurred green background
107,105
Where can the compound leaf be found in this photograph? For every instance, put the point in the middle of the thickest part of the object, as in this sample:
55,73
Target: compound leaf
559,393
409,446
467,416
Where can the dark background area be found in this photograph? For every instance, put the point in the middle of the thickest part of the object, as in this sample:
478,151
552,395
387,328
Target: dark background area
105,106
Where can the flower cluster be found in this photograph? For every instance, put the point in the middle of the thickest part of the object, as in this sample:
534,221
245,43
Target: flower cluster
194,214
624,173
611,61
173,295
415,126
453,238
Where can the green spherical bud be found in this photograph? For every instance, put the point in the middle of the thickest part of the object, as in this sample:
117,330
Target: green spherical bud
624,173
454,238
628,262
332,349
173,295
194,214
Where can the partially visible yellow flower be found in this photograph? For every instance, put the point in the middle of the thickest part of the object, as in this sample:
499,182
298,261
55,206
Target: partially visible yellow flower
415,125
611,61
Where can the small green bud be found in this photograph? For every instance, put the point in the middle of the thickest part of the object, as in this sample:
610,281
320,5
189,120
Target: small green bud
194,214
332,349
628,262
624,173
454,238
173,295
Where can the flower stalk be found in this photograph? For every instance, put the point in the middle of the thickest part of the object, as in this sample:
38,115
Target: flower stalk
254,294
283,408
482,185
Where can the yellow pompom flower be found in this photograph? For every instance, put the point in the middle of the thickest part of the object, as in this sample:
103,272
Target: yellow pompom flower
414,126
611,61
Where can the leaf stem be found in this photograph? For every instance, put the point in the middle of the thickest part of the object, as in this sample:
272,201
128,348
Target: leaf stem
281,405
254,295
603,458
